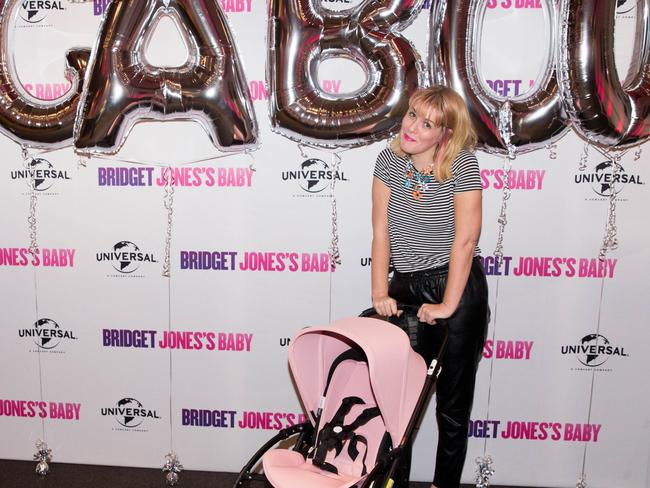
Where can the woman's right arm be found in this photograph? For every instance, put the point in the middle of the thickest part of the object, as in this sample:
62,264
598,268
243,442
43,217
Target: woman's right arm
383,304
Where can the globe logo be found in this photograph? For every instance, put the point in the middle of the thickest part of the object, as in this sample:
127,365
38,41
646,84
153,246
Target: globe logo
44,341
40,167
125,252
602,185
595,340
315,175
32,15
625,6
129,419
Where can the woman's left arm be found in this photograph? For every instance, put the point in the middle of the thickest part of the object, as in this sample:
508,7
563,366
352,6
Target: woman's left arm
467,226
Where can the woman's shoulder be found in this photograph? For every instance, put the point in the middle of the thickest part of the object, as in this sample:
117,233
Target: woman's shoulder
388,153
464,160
388,157
464,156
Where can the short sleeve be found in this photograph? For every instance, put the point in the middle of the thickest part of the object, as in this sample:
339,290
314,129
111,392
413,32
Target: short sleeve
467,176
382,171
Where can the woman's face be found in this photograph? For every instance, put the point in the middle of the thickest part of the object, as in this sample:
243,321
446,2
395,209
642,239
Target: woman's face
419,136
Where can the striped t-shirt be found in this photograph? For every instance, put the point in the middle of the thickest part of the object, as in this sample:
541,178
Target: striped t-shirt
421,231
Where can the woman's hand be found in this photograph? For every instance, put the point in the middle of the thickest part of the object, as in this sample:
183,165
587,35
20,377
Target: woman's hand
429,312
385,305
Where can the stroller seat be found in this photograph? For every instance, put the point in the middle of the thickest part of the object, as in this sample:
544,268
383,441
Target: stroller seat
348,443
289,469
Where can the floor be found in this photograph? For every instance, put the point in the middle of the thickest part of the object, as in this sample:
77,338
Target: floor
21,474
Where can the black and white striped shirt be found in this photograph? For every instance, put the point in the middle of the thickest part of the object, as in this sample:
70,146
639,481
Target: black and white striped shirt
421,231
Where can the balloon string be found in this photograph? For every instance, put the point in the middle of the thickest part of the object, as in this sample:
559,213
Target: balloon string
552,151
334,252
583,476
584,157
168,203
33,250
31,218
637,154
171,369
40,367
494,333
251,166
610,239
31,153
502,219
484,463
505,128
331,279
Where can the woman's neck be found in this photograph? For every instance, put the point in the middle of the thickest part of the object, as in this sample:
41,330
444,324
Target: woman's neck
424,160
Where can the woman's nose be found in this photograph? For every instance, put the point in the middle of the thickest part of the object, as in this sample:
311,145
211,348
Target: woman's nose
412,126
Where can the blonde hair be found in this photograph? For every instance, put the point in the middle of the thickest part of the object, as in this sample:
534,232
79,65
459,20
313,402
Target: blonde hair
445,108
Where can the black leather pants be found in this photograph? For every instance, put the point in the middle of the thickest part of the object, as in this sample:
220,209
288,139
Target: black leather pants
455,385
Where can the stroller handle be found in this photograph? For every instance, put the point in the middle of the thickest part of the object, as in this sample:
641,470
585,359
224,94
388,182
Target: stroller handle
401,307
425,339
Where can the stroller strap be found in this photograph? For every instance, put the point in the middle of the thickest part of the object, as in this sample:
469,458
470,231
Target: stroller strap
334,434
353,354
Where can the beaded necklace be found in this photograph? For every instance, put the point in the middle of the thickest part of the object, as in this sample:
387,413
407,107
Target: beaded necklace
417,181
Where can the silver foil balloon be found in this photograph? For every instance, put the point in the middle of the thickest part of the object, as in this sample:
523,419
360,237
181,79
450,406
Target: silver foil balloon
302,34
121,88
504,126
604,111
27,120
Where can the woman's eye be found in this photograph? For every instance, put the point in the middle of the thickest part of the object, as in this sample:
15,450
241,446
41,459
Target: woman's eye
427,125
411,114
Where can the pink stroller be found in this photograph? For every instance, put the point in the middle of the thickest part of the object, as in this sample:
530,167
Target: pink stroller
365,391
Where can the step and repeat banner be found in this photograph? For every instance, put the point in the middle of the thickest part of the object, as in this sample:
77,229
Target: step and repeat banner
152,274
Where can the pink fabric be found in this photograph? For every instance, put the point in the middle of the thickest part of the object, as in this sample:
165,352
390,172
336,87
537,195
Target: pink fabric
392,380
287,469
397,373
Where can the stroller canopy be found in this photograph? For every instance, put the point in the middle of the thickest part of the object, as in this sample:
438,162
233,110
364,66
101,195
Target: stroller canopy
397,373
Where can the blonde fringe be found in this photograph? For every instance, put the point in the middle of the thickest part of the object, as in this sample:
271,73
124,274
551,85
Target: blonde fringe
449,111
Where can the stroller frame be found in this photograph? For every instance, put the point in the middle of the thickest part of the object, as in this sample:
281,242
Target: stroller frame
382,473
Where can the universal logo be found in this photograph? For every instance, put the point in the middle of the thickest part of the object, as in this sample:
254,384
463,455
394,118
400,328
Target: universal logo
130,414
47,334
35,11
313,176
593,350
603,180
43,173
366,262
126,258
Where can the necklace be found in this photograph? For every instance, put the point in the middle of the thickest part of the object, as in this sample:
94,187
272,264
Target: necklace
417,181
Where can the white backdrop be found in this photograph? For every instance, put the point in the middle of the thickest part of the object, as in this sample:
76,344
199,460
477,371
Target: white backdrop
539,411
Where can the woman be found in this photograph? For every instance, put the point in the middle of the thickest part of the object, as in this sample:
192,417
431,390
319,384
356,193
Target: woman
426,216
